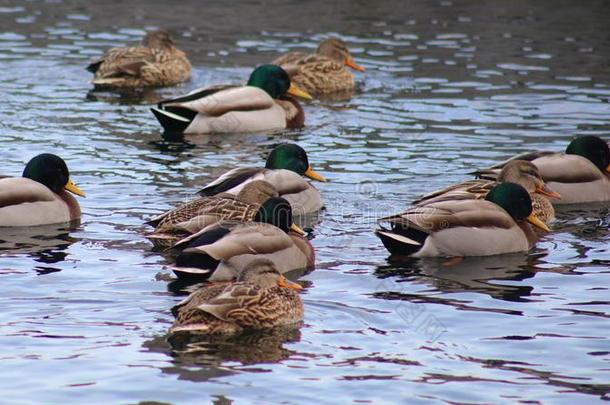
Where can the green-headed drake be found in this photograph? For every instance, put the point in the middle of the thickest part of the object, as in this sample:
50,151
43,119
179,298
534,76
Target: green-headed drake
219,252
40,196
285,167
156,62
498,224
263,104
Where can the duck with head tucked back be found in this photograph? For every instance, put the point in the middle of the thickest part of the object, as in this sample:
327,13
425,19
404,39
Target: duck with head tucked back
156,62
498,224
219,252
261,298
40,196
263,104
323,72
285,167
580,175
520,172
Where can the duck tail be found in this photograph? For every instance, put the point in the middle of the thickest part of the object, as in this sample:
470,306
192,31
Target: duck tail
194,262
94,66
174,119
403,241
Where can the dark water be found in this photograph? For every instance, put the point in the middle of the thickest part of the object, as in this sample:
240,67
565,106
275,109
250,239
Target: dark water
450,86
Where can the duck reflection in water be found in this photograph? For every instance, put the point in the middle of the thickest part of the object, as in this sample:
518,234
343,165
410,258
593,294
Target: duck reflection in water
470,274
202,358
46,244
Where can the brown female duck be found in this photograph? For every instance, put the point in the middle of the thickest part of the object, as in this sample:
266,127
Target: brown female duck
520,172
193,216
323,72
156,62
261,298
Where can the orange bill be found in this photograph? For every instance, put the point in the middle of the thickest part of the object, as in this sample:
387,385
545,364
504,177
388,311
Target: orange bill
285,283
544,190
297,229
350,62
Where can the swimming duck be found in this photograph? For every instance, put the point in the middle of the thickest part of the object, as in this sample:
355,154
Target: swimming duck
40,196
193,216
487,227
262,104
261,298
219,252
580,175
156,62
286,165
322,72
520,172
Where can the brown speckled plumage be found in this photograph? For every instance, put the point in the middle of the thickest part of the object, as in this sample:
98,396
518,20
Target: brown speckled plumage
200,212
224,206
259,300
157,62
542,208
323,72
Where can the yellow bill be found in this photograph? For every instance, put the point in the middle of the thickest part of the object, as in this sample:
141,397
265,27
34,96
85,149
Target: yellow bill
313,175
285,283
608,168
350,62
534,220
297,229
295,91
73,188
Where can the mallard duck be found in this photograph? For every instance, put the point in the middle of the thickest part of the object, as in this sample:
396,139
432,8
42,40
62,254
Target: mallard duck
157,62
286,165
521,172
262,104
465,227
193,216
221,251
322,72
580,175
39,197
261,298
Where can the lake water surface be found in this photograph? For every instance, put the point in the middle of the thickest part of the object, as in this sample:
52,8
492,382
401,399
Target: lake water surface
450,86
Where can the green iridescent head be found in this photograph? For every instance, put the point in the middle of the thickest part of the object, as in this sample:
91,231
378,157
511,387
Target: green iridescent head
275,81
516,201
51,171
292,157
593,148
513,198
275,211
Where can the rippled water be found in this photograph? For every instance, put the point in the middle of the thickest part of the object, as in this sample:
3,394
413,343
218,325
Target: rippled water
450,86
